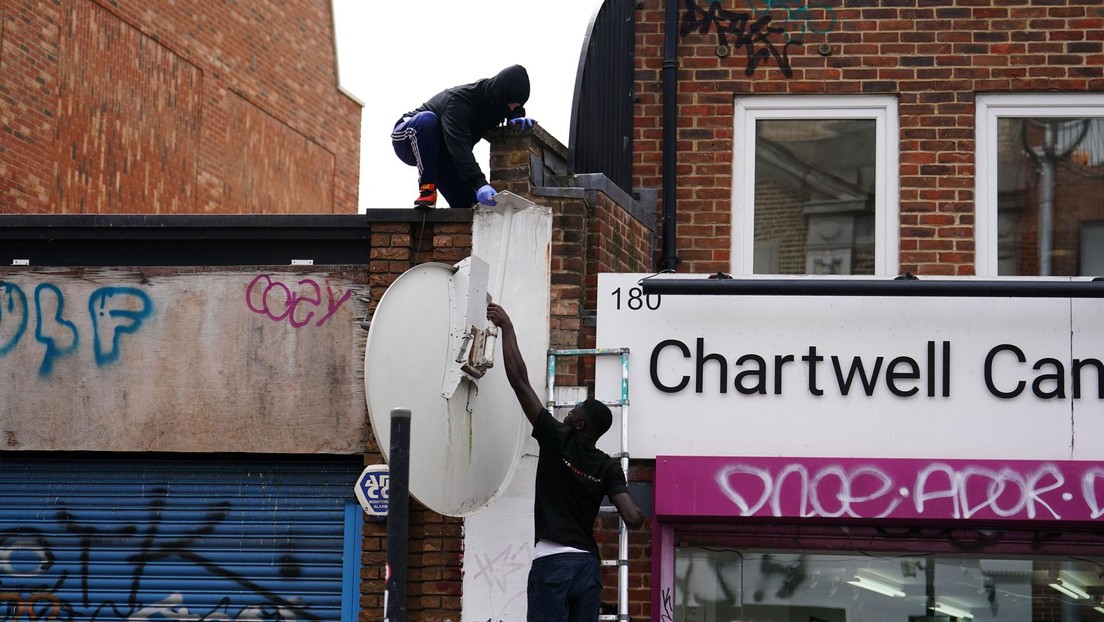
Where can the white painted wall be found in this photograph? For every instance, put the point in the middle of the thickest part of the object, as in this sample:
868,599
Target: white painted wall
498,548
498,541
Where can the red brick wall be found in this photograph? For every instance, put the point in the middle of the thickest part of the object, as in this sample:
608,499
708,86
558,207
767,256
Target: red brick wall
589,236
934,56
640,553
152,106
435,543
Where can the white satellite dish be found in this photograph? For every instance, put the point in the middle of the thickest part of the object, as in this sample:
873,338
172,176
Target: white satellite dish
425,352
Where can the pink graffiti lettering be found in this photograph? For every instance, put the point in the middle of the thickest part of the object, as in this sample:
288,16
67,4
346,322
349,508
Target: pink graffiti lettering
279,302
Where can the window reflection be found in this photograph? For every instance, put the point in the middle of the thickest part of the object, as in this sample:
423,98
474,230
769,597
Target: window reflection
814,196
777,586
1050,206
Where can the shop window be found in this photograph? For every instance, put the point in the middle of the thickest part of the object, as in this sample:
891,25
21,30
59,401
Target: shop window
1040,184
815,186
979,583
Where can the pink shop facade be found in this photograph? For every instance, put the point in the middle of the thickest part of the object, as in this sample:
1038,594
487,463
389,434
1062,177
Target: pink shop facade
835,458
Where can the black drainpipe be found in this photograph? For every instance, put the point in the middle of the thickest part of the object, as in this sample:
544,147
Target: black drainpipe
670,127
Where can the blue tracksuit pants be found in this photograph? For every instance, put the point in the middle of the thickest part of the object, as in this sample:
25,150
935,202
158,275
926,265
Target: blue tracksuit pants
418,141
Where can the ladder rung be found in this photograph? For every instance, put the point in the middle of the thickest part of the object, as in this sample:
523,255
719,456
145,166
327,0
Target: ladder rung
588,352
622,563
613,403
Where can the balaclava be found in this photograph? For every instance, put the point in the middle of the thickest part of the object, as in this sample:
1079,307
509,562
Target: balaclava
510,86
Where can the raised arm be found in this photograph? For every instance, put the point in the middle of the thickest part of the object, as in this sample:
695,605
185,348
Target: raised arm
516,372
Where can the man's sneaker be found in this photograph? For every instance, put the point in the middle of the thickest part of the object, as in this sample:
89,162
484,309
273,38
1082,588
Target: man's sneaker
427,196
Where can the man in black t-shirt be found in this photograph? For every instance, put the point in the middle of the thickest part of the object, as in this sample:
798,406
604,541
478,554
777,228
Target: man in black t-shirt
565,580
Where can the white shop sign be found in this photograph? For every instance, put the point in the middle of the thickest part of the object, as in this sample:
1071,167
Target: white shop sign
855,376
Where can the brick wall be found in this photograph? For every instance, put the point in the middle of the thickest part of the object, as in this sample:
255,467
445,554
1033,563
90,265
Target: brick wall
592,232
435,543
640,553
159,107
933,56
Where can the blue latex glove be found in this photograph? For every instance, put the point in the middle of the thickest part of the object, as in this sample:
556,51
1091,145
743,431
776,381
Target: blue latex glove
523,122
485,195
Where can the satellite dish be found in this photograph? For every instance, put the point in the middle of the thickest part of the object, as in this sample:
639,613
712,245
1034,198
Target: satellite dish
427,350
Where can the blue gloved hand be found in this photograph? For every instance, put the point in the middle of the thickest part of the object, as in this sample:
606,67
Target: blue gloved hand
485,195
523,122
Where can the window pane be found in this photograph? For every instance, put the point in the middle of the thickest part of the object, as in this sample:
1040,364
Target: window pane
814,196
1050,205
713,584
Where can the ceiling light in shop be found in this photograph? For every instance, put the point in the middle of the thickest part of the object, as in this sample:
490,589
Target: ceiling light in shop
879,586
953,611
1071,589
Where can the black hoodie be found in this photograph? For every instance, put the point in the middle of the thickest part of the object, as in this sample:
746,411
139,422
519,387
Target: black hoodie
468,112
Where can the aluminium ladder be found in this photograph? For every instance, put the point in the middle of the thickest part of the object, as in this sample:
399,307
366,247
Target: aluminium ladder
622,561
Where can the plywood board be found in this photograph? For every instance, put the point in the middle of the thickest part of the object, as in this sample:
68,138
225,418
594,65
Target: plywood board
182,360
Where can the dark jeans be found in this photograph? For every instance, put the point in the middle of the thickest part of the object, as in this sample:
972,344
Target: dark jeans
565,588
418,142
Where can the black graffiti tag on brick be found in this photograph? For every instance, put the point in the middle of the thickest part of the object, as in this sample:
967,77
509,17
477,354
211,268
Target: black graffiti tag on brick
755,37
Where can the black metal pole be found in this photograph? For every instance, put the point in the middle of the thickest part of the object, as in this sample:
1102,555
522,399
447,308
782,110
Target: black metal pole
670,134
398,516
844,287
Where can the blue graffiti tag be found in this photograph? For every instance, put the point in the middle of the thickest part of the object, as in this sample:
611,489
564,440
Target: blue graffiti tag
60,326
114,311
799,13
129,320
14,296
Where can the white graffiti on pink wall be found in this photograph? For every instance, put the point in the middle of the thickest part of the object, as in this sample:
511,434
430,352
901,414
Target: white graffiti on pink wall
880,489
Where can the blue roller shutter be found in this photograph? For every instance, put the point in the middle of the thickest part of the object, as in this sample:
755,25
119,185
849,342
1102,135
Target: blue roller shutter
196,538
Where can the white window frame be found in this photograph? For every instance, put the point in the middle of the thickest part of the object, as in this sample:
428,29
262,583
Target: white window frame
990,108
887,207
